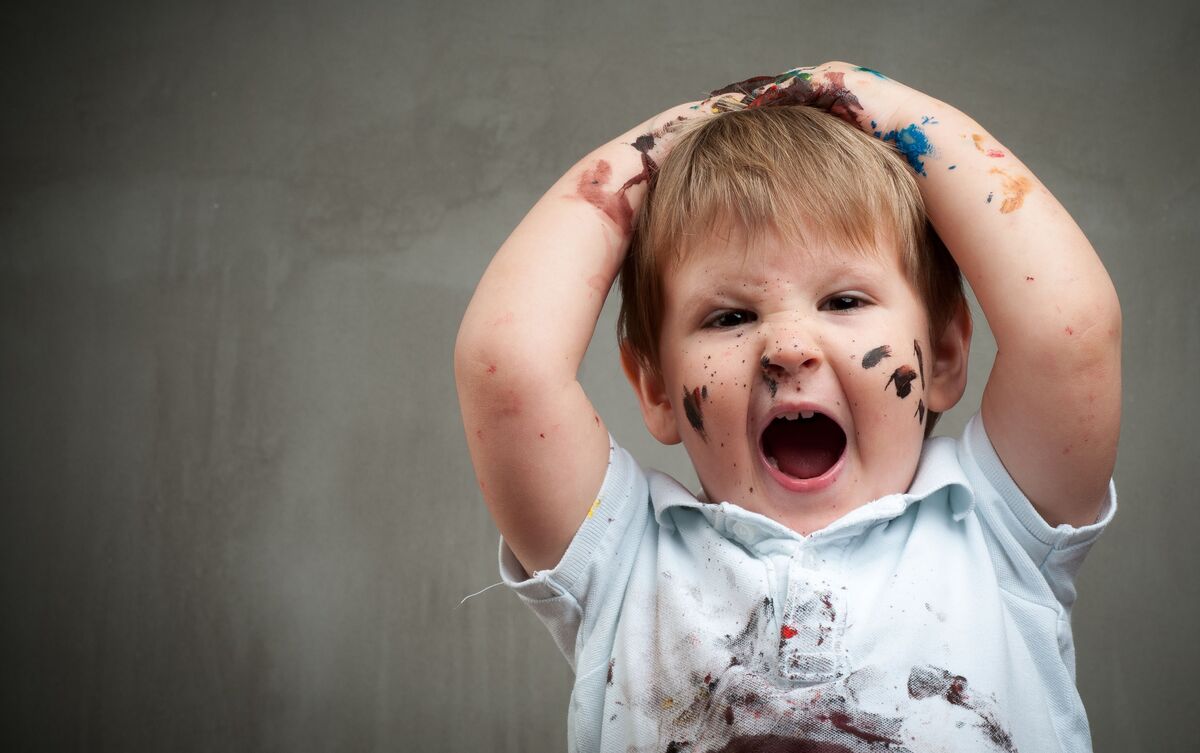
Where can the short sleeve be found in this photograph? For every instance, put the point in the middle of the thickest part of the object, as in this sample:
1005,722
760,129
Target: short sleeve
1054,552
582,594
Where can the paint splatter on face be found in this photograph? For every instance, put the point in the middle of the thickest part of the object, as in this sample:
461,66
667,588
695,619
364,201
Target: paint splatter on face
1015,190
772,385
692,409
875,355
769,380
920,361
903,378
920,413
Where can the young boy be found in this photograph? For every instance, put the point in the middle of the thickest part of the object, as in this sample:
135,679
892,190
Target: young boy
842,583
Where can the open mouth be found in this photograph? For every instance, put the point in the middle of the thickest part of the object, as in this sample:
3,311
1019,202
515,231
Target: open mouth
803,445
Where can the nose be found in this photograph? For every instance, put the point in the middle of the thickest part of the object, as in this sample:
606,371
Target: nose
789,351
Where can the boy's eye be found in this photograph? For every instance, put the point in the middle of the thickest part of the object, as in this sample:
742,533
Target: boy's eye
843,303
732,319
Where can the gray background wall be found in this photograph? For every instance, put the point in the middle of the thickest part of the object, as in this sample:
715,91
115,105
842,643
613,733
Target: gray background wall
236,240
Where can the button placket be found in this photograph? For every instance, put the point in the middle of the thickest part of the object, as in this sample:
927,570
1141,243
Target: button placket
810,633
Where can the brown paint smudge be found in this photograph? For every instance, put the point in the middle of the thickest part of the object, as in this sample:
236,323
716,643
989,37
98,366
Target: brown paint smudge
692,409
903,378
875,355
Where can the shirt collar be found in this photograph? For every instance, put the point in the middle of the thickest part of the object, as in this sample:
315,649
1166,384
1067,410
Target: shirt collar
937,469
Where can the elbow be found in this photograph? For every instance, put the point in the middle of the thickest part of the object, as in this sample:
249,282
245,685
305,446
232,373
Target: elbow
495,374
1087,343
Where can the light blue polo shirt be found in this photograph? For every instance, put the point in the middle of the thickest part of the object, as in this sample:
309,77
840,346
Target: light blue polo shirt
937,620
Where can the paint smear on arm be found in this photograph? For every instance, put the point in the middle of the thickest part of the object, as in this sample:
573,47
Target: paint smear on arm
990,151
592,189
1015,190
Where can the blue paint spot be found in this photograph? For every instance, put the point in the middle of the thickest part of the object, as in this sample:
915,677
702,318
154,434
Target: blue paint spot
989,199
929,120
872,72
911,142
874,125
952,167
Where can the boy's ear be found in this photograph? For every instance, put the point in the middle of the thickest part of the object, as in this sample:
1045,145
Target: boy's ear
948,367
651,393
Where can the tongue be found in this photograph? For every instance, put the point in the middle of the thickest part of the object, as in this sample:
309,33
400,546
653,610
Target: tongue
804,449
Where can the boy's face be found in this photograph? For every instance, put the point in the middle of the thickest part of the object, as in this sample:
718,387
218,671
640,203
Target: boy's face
753,337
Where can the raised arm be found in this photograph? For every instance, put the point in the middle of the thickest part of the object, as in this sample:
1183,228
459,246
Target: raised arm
1052,404
540,450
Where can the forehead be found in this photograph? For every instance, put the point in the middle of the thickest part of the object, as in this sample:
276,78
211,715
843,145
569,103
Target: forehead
732,252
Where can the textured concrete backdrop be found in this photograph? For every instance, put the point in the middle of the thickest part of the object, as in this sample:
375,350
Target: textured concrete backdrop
236,239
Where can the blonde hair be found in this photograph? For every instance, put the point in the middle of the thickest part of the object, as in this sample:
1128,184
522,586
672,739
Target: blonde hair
794,171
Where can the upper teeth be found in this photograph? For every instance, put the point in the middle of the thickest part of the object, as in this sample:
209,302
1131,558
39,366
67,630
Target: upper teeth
802,414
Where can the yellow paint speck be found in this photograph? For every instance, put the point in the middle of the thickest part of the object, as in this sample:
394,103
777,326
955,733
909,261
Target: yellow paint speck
595,506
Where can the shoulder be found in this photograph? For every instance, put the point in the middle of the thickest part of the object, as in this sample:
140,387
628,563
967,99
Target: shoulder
1041,559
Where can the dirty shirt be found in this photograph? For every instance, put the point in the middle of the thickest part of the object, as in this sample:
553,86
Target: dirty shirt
935,620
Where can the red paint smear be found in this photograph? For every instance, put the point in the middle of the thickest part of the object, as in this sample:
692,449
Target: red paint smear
787,631
614,205
958,691
993,153
842,721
